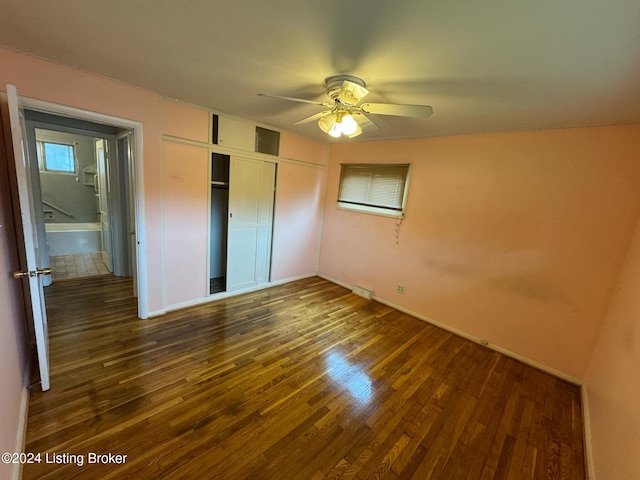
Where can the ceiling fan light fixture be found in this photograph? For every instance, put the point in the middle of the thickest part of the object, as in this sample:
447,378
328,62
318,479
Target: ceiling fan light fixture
340,122
349,124
346,114
336,130
326,123
357,132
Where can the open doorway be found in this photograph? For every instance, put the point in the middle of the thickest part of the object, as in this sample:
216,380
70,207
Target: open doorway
82,195
29,208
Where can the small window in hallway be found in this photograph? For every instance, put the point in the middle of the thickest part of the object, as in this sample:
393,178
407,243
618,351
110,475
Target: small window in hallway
56,157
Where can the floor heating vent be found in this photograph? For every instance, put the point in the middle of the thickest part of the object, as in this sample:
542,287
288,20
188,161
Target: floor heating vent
363,292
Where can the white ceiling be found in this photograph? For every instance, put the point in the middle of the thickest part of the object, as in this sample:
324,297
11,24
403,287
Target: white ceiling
484,65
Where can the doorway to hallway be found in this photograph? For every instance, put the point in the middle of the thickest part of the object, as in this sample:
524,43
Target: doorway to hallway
81,195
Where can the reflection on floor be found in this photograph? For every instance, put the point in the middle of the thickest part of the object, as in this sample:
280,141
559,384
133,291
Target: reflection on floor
77,265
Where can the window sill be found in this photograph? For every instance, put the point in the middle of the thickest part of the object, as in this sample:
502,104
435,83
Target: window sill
381,212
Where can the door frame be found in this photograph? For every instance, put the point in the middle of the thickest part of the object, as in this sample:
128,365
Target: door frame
105,200
136,172
125,207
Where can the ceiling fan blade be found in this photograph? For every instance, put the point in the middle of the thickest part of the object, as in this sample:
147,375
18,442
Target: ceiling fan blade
398,110
311,118
300,100
365,123
351,93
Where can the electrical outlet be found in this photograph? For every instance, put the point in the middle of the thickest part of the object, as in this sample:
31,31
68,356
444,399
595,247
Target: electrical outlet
400,289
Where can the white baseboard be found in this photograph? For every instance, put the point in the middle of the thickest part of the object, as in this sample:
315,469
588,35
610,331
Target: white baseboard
460,333
586,424
221,295
292,279
338,282
21,435
155,313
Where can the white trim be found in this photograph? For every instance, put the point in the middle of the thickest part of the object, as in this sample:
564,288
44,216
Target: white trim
236,151
223,295
163,262
207,278
323,204
157,313
379,211
292,279
140,223
210,124
586,425
274,225
21,435
137,127
216,112
460,333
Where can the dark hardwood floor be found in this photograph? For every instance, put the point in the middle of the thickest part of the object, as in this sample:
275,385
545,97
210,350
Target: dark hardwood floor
300,381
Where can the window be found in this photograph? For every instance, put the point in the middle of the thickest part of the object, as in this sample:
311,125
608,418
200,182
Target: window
56,157
371,188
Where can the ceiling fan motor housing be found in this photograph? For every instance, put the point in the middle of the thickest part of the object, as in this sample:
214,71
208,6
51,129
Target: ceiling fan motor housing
334,84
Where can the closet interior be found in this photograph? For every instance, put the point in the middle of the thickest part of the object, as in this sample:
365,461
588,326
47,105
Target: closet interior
219,224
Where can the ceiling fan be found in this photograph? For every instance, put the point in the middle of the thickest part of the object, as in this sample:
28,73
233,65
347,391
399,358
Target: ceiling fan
346,115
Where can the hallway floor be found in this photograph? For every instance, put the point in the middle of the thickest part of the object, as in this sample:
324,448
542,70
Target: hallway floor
77,265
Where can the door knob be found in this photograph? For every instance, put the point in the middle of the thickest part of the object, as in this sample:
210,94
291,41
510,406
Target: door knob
33,273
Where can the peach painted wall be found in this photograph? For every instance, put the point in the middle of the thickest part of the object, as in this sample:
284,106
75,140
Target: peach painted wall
186,202
55,83
40,79
613,383
182,120
297,220
297,212
13,345
513,238
298,208
302,149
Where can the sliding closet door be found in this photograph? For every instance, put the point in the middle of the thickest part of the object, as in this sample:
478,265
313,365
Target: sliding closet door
265,222
251,192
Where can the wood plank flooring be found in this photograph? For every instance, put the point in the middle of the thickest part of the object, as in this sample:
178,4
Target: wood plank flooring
300,381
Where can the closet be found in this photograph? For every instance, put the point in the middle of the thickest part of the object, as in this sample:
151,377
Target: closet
241,222
219,176
218,222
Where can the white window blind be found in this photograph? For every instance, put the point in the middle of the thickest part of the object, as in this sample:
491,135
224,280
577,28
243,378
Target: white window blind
371,186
